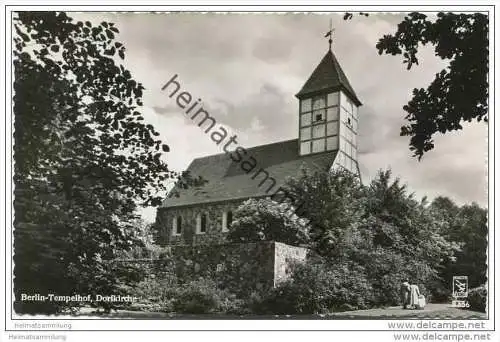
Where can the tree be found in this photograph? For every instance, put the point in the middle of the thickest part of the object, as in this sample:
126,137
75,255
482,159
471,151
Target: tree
471,260
332,202
467,226
84,158
445,209
408,242
459,92
267,220
380,229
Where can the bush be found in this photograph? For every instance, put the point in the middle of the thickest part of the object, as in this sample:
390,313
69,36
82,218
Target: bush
317,287
234,306
477,298
267,220
203,297
439,293
387,269
155,293
161,293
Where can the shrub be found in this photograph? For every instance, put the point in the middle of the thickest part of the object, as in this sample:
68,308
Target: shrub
318,287
477,298
161,293
387,269
155,293
439,293
234,306
203,297
266,220
198,297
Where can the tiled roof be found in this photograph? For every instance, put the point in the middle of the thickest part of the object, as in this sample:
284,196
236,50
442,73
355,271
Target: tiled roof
228,181
328,75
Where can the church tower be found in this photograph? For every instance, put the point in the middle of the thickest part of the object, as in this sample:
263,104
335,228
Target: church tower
328,109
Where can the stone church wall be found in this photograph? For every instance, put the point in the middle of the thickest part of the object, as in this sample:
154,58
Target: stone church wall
214,233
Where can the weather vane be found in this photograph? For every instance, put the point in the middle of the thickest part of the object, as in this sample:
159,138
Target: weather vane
329,34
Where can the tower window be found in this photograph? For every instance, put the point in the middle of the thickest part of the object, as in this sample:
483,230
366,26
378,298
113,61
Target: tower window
305,119
318,145
319,131
332,143
305,148
333,99
332,128
319,102
305,105
332,113
305,133
319,115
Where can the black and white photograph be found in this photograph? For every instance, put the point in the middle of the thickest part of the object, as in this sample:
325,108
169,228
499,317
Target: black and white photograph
207,168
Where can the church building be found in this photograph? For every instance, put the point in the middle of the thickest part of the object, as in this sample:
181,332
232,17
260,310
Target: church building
327,139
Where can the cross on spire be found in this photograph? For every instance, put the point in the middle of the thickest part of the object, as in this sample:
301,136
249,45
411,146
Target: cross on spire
329,34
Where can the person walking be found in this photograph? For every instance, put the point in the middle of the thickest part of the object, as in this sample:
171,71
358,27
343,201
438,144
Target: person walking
414,296
405,294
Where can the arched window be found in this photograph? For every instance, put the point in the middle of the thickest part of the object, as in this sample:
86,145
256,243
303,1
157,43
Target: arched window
227,219
177,225
201,223
203,228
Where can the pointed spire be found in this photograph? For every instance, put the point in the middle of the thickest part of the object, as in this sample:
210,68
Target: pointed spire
328,76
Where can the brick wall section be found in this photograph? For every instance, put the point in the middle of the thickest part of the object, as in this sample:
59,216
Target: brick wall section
214,233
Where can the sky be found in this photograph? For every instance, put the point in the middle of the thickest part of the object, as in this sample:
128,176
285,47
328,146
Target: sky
246,68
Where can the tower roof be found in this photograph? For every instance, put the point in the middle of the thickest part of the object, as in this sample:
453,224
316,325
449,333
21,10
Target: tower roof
328,75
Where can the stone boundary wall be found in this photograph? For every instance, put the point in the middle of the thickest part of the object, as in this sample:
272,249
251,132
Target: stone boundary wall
242,268
285,256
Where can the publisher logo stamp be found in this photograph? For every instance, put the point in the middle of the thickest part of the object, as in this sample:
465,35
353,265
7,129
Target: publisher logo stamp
460,286
460,292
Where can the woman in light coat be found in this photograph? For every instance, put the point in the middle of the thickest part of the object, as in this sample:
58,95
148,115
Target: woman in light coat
414,294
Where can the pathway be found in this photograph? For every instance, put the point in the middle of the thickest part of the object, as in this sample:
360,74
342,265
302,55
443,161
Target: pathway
431,311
